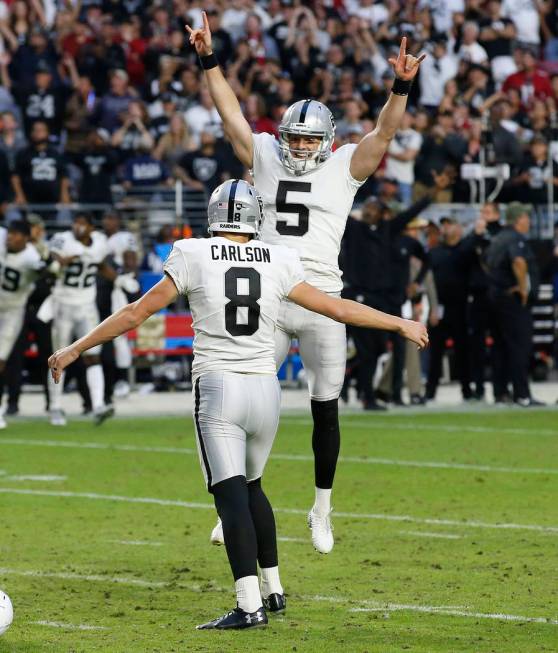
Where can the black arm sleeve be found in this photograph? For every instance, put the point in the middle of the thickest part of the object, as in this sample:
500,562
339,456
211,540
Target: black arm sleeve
400,221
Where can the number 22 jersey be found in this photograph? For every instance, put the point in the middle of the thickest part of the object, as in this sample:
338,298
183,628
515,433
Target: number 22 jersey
234,291
306,212
77,283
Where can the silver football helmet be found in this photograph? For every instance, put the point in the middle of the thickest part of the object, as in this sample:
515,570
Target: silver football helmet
235,206
306,118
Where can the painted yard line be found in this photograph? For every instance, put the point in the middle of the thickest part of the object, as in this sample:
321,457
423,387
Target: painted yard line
441,536
289,511
373,424
280,456
46,478
368,605
429,609
59,624
67,575
284,538
136,542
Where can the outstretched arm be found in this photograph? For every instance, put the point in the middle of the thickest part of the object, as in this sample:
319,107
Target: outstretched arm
373,146
127,318
236,126
349,312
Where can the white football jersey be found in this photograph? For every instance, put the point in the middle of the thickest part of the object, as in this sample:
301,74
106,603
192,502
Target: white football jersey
306,212
120,242
234,291
77,283
18,272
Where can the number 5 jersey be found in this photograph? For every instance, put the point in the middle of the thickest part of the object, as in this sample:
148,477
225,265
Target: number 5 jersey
76,284
235,291
306,212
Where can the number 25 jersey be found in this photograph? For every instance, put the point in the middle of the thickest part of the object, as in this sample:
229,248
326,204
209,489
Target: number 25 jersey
234,291
306,212
77,283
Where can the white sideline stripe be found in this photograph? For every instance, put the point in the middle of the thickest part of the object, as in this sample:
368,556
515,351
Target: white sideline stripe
136,542
289,511
442,536
68,575
47,478
59,624
283,456
371,606
450,612
445,428
284,538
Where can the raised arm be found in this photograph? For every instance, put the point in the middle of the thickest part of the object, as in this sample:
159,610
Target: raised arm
373,146
235,124
127,318
349,312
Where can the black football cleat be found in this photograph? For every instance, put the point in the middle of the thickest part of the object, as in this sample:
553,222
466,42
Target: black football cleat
237,619
275,603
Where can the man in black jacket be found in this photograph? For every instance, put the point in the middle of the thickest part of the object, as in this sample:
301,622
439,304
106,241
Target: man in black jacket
450,262
513,284
486,228
371,277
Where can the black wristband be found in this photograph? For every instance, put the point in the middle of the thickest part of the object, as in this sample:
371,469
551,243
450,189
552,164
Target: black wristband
209,61
401,87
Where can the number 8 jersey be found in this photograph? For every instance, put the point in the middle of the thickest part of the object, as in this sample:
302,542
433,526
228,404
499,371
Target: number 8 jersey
234,291
306,212
76,284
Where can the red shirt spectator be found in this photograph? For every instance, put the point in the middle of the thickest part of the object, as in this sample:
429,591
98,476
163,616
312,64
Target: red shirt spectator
529,81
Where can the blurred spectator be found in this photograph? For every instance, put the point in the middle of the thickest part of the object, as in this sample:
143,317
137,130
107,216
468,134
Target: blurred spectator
40,175
134,134
203,117
450,261
203,169
6,192
142,169
174,143
471,50
525,15
115,102
255,113
28,53
160,124
97,162
220,39
435,71
549,28
497,34
530,80
261,45
11,137
155,258
535,172
79,113
402,152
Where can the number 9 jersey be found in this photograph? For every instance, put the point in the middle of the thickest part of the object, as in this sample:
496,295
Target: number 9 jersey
234,291
306,212
76,284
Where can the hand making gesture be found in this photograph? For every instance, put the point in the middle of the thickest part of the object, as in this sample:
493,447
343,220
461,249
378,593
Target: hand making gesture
405,66
201,38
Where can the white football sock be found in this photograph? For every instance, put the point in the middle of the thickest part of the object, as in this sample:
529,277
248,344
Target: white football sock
248,594
55,391
96,385
322,503
270,584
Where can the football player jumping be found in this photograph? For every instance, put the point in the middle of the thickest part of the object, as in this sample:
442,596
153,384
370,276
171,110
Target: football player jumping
308,191
235,286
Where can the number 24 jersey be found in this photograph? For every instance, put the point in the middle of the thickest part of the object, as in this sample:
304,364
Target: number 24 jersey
306,212
76,284
234,291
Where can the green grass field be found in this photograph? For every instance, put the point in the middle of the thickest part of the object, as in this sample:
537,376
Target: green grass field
446,538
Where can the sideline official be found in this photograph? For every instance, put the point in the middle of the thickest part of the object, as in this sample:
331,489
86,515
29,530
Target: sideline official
513,284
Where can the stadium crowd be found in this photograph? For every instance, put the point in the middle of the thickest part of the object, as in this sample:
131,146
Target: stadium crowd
101,93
